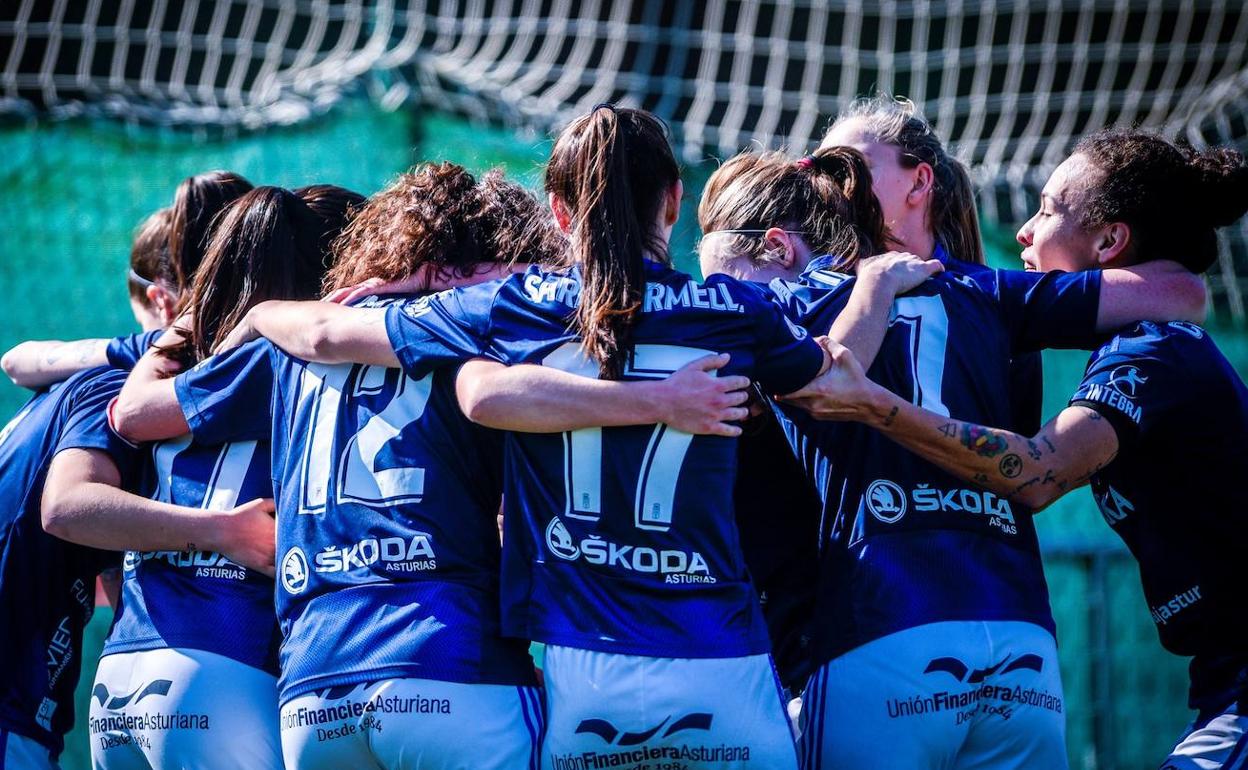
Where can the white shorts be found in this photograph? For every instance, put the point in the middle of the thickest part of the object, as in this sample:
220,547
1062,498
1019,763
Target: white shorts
1220,743
182,708
17,752
631,712
405,724
952,696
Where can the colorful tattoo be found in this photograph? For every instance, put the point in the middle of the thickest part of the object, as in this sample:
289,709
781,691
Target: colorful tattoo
982,441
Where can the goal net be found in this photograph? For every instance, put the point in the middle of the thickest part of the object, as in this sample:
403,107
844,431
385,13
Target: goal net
1010,85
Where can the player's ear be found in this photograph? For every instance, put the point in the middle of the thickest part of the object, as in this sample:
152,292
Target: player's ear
1112,243
672,204
563,217
921,185
163,302
779,247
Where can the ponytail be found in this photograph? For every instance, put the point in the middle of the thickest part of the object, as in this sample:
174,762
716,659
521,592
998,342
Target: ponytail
612,169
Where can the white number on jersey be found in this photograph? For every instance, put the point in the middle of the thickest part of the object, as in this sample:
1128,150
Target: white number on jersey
928,323
318,405
665,452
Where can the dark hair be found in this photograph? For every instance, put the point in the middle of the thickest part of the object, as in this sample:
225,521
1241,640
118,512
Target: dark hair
151,245
827,197
336,206
951,216
267,245
612,169
440,215
196,203
1171,196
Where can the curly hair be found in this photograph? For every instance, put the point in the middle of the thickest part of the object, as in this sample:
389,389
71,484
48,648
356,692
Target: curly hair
438,214
1171,196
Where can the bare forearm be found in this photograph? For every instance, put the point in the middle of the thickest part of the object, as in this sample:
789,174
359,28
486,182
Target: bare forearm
102,516
1154,291
538,399
1032,471
38,363
325,332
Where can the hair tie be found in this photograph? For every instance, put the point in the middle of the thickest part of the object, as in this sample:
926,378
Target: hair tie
807,162
603,105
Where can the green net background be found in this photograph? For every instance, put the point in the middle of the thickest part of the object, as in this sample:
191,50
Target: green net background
74,192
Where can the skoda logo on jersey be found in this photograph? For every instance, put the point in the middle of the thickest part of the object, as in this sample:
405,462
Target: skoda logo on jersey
886,501
559,541
295,571
1125,380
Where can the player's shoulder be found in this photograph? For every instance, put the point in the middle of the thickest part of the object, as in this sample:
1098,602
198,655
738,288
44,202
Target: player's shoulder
1171,340
94,381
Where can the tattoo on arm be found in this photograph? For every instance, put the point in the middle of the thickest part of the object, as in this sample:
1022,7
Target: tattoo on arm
1011,465
1033,450
891,416
983,441
949,429
1049,444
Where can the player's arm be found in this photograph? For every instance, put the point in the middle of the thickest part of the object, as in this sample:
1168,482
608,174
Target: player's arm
38,363
1154,291
323,332
540,399
862,324
1033,471
147,408
83,503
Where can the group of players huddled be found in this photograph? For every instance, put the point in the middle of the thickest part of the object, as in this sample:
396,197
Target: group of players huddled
812,474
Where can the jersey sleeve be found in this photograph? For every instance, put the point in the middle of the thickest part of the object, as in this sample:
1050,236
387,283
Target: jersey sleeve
1049,310
1131,385
229,397
125,351
440,329
86,422
787,356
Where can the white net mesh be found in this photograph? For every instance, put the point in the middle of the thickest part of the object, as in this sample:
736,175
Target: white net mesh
1011,85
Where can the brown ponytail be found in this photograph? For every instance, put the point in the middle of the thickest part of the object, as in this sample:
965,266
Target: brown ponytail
825,197
612,169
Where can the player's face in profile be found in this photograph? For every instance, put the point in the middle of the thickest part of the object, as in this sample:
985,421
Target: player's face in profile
891,181
1054,238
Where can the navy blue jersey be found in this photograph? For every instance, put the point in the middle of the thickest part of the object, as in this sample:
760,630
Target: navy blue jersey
199,600
621,539
1026,367
387,502
902,542
47,585
1172,492
125,351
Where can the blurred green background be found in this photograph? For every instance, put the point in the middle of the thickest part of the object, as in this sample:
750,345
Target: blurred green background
76,190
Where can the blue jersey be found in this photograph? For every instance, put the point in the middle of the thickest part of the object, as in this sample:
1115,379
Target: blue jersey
125,351
902,542
199,599
47,585
387,526
621,539
1181,414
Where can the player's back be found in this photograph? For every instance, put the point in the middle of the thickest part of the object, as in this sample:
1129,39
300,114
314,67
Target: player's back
387,499
622,539
199,599
902,542
47,591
